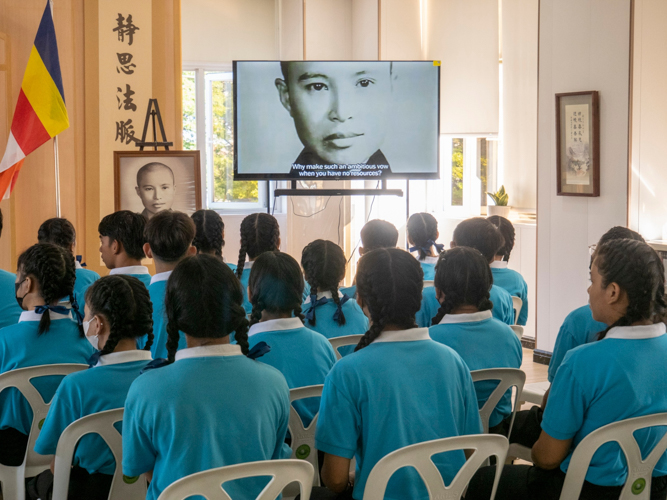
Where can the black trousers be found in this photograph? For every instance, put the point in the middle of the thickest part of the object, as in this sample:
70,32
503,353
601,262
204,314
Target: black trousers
13,445
82,485
527,427
322,493
526,482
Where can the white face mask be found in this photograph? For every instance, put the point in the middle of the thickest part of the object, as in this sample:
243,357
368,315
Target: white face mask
93,339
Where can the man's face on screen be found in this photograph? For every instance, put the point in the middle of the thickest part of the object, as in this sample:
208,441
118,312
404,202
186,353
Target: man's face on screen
340,110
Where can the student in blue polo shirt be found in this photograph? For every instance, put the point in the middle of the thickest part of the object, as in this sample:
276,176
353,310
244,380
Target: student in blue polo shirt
121,244
480,234
9,309
118,311
210,235
464,323
504,277
45,334
399,388
61,232
619,377
212,406
303,356
329,312
168,236
422,233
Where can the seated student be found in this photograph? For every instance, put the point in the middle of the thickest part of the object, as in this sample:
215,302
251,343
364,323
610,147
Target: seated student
480,234
118,311
168,238
464,323
210,236
121,244
614,379
222,407
61,232
329,312
399,388
9,309
506,278
422,233
46,334
303,356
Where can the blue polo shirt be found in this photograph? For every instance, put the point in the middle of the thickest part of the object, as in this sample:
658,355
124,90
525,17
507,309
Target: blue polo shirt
230,265
211,408
9,308
619,377
516,286
428,266
244,285
402,389
103,387
350,291
429,308
503,307
579,328
21,346
139,272
84,278
303,356
483,342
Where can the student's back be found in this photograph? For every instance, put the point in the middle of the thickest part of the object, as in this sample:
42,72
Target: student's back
9,309
84,278
503,307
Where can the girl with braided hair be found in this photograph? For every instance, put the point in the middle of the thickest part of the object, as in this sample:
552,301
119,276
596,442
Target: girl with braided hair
503,276
422,233
619,377
45,334
118,312
464,323
399,388
302,355
329,312
210,236
213,405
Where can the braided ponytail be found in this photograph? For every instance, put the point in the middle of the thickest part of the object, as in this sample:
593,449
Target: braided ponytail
324,264
208,238
508,233
259,233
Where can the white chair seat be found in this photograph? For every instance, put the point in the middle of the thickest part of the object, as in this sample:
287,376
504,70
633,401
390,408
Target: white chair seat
533,393
519,451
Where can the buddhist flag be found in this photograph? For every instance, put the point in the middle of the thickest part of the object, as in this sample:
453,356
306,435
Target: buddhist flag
40,111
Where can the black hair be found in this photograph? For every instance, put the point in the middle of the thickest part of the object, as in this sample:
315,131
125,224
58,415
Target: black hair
639,271
127,228
57,231
422,232
209,228
259,233
508,233
463,275
204,300
378,234
389,285
150,167
620,233
170,234
276,284
481,234
1,222
54,270
125,303
323,264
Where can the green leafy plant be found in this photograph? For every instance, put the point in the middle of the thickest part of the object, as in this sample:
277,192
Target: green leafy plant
500,198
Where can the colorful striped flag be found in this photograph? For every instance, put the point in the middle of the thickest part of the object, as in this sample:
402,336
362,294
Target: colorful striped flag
40,112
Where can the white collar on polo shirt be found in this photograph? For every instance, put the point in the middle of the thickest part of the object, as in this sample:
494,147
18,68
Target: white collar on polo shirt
465,318
115,358
499,264
248,264
33,316
410,335
326,294
130,270
161,277
209,351
636,332
274,325
77,265
430,260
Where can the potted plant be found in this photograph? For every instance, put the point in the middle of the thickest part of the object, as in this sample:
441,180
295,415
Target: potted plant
500,198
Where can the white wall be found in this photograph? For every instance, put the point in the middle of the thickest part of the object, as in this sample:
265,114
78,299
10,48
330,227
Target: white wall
584,45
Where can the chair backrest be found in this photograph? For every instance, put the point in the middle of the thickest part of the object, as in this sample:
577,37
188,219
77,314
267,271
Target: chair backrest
102,424
419,457
303,438
638,483
518,330
517,304
337,342
209,483
20,379
507,377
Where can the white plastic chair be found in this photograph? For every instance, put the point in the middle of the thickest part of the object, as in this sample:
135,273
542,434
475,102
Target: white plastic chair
419,456
13,478
517,303
518,330
102,423
638,483
209,483
508,378
338,342
532,393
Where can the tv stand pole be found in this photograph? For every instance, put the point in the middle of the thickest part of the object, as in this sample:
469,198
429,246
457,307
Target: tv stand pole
294,191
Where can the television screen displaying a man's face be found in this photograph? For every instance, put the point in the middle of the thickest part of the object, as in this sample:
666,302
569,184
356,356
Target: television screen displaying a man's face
156,188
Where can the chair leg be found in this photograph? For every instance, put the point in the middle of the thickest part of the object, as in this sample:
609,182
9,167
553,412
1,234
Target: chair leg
13,487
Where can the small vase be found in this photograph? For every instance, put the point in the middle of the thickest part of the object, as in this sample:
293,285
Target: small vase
496,210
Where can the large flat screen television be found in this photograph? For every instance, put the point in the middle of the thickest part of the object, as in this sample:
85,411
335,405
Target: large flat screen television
336,120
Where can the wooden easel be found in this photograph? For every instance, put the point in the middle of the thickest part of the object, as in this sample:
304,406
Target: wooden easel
152,113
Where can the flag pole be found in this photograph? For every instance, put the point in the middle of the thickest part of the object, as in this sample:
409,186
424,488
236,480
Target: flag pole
57,169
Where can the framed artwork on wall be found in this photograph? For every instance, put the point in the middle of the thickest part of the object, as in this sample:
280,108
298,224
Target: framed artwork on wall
578,144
